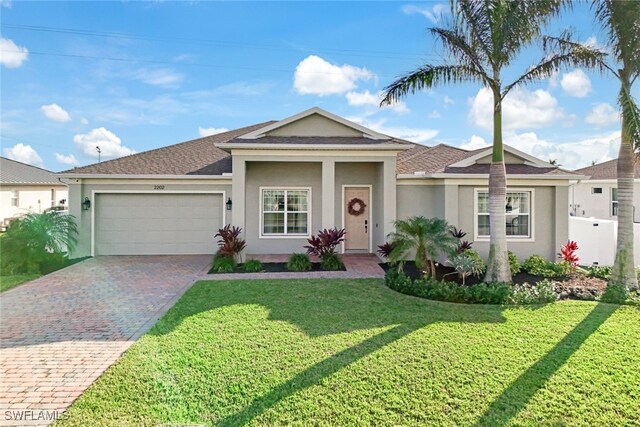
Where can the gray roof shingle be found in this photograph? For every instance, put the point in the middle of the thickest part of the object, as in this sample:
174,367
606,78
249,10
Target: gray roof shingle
607,170
14,172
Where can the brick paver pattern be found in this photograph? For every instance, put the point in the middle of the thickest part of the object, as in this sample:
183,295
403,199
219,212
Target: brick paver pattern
59,333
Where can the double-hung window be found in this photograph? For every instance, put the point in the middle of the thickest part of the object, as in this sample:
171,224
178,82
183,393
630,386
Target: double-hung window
614,202
285,212
519,214
15,198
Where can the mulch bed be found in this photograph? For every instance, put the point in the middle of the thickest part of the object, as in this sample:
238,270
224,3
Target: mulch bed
274,267
574,286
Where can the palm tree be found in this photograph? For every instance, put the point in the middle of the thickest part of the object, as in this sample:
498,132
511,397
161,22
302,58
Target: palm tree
35,238
484,37
427,237
621,22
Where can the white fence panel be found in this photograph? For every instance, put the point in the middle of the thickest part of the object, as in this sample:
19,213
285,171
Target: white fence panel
597,240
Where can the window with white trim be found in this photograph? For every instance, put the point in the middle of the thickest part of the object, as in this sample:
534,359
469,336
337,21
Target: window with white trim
517,209
285,212
614,202
15,199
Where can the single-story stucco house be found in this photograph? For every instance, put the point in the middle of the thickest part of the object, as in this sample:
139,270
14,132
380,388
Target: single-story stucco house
282,181
25,188
597,196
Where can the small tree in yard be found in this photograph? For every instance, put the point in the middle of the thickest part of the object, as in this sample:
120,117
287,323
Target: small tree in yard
427,237
35,240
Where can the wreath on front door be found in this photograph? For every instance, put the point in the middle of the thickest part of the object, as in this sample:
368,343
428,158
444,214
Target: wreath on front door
356,206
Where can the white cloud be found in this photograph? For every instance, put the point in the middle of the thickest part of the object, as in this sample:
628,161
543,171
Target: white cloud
66,160
6,3
108,142
55,113
569,154
448,101
521,109
576,83
602,114
210,131
12,55
368,99
433,13
159,77
474,143
316,76
435,114
591,41
84,121
25,154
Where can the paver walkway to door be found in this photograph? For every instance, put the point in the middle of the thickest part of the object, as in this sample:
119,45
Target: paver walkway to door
60,332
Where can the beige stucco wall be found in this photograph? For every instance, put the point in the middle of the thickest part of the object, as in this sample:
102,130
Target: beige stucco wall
31,198
281,175
79,189
417,199
315,125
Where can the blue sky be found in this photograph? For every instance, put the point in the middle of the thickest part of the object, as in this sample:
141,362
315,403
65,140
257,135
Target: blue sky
132,76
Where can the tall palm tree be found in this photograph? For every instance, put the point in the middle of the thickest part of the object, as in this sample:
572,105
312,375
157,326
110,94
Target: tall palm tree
426,237
621,21
484,38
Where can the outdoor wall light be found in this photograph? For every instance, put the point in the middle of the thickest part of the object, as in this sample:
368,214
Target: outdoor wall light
86,204
229,204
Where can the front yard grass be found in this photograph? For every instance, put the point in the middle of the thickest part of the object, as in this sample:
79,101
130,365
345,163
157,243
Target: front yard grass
9,282
353,352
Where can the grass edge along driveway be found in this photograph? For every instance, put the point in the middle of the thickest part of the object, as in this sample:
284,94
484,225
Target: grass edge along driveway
353,352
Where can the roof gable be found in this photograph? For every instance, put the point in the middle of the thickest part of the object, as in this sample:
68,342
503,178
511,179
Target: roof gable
14,172
315,122
512,156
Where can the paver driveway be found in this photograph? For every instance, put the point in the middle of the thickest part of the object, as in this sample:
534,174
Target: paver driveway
61,331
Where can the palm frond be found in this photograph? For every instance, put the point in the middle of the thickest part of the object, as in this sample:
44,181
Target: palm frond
460,47
620,21
430,76
631,115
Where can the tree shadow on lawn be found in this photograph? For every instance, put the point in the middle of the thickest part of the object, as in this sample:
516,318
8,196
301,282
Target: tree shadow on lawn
519,393
323,307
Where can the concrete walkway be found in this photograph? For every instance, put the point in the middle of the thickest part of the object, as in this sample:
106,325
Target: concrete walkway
59,333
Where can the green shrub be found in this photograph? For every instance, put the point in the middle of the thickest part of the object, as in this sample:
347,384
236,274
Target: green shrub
466,265
600,271
223,264
252,266
331,262
478,262
299,262
514,264
539,266
542,292
615,294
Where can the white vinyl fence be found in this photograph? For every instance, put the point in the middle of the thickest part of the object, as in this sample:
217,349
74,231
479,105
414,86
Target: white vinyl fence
596,240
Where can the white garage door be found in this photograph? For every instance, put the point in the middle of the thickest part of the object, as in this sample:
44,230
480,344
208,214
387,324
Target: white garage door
157,224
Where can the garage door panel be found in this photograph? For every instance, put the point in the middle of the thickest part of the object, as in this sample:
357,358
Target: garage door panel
157,224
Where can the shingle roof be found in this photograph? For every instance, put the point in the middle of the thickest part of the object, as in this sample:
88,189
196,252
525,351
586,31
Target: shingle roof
14,172
607,170
430,159
318,140
196,157
517,169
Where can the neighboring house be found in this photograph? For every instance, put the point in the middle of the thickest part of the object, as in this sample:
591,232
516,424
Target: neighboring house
25,188
597,196
283,181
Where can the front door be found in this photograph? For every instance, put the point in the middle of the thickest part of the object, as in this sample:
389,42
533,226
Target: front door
356,218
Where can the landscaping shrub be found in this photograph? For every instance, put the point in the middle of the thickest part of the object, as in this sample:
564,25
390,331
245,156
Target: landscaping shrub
331,262
615,294
231,245
252,266
539,266
600,271
37,243
299,262
514,264
568,253
325,242
482,293
466,265
385,249
223,263
477,259
463,245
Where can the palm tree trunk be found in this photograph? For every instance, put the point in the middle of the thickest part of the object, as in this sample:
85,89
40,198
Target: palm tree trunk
497,265
624,272
433,268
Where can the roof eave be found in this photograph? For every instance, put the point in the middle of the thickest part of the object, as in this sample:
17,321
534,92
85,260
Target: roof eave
139,176
440,175
313,147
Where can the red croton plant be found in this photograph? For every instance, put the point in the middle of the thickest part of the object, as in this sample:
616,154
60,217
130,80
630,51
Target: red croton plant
568,253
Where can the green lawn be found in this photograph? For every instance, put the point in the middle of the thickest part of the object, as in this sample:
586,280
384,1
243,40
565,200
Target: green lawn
353,352
8,282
